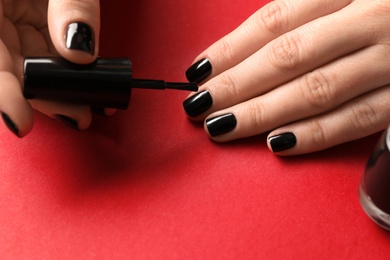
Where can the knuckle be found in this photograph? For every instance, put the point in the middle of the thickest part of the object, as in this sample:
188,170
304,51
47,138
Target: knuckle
285,52
230,87
363,117
272,17
255,114
316,90
225,49
317,131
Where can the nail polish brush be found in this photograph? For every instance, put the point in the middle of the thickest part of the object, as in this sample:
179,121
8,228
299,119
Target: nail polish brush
107,82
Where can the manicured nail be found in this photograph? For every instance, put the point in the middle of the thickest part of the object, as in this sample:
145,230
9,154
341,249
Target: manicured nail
221,124
199,71
10,124
282,142
79,36
198,103
68,121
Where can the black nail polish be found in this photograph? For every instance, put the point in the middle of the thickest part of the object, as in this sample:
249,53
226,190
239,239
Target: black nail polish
199,71
221,124
198,103
79,36
10,124
68,121
282,142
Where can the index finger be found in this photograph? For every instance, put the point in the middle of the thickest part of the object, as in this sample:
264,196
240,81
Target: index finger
271,21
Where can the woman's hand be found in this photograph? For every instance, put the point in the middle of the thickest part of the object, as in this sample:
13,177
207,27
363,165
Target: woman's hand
316,73
44,28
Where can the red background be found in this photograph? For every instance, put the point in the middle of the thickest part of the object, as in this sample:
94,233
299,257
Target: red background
148,184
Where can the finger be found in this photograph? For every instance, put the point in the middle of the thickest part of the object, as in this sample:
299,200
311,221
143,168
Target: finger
76,117
313,93
280,61
74,27
42,47
271,21
27,35
359,118
16,112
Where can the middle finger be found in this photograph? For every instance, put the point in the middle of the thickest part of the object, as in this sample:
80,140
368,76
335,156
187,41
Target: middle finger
313,93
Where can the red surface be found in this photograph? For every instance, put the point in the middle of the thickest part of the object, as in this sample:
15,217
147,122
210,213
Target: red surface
148,184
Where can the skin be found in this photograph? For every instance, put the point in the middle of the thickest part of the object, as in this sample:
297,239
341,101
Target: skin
317,68
43,23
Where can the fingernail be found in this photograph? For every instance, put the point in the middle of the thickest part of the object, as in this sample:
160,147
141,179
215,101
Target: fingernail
198,103
10,124
79,36
282,142
68,121
221,124
199,71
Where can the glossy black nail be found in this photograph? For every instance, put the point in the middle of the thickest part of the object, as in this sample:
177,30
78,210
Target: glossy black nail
221,124
68,121
198,103
199,71
80,36
10,124
282,142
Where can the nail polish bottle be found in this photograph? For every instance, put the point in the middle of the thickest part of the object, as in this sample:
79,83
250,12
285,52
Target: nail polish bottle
374,189
107,82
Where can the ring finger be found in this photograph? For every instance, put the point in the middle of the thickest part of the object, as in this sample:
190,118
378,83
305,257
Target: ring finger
313,93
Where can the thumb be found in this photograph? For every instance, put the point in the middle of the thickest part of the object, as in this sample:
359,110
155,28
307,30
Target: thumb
74,28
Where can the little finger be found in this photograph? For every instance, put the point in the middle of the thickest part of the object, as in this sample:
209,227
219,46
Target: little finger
361,117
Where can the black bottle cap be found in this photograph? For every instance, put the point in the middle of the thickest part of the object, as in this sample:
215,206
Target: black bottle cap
104,83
